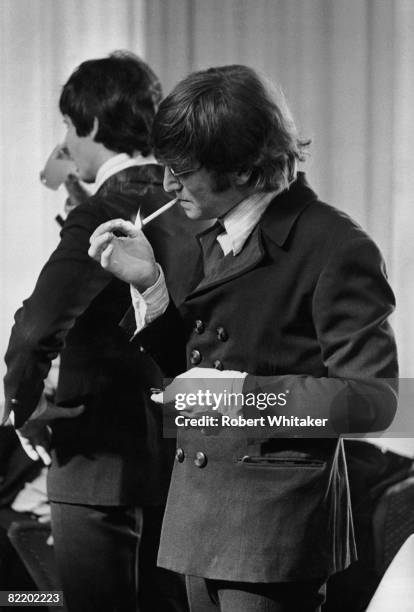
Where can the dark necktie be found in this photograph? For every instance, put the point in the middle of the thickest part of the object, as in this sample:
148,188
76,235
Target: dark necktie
212,251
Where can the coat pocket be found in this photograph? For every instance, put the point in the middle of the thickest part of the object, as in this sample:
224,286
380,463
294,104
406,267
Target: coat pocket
263,461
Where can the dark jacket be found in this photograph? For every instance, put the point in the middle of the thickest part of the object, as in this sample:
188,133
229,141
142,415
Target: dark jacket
304,308
113,453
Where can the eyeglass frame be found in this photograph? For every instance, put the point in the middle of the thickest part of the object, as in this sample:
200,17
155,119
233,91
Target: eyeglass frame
177,175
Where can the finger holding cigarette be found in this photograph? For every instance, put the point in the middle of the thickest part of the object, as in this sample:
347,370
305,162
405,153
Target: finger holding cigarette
113,227
122,249
119,227
102,238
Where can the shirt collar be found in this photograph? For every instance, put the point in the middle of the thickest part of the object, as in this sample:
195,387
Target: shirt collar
120,162
240,221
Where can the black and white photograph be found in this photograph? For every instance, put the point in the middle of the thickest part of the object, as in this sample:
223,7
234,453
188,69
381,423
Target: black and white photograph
207,254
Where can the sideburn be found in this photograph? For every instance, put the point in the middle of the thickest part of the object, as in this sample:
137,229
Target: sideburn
220,181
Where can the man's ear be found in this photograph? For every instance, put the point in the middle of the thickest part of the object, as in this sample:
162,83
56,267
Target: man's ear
95,128
241,177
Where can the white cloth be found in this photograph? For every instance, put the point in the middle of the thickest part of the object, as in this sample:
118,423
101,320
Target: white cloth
152,303
241,220
33,497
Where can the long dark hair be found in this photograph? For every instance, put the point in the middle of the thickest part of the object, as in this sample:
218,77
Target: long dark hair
229,119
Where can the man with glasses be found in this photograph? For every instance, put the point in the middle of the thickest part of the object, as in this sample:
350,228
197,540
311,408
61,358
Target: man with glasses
288,298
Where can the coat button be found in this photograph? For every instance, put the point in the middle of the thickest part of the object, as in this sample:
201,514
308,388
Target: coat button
14,402
195,357
200,459
199,326
179,455
222,335
218,365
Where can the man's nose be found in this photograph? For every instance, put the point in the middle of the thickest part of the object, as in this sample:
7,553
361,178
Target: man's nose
170,183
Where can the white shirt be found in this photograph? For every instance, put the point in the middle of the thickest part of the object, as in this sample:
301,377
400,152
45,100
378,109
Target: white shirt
241,220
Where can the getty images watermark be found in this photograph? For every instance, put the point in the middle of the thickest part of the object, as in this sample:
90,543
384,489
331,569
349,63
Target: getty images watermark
225,404
309,407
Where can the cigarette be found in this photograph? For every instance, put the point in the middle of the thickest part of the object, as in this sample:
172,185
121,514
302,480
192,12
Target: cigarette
158,212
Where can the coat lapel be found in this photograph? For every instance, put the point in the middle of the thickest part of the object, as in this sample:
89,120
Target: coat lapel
276,224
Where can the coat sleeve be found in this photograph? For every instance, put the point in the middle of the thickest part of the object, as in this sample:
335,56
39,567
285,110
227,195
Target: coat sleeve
164,339
67,284
351,304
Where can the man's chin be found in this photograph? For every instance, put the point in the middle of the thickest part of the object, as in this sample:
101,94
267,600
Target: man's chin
190,211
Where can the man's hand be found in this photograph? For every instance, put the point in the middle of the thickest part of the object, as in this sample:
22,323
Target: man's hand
35,440
129,257
35,434
202,390
47,411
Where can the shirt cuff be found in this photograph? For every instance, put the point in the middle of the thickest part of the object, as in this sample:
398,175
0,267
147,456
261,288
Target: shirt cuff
151,304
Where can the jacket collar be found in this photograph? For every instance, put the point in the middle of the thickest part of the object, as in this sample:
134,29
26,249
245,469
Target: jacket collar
281,214
132,177
119,162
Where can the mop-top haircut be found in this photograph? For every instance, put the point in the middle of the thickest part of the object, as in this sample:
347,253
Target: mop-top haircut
122,92
229,119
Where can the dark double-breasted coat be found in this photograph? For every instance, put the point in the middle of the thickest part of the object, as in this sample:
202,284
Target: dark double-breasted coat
302,308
